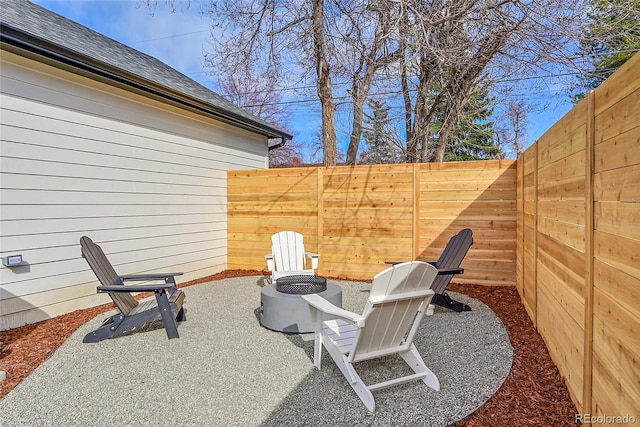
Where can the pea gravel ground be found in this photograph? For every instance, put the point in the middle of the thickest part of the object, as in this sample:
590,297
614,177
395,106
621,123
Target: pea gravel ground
227,370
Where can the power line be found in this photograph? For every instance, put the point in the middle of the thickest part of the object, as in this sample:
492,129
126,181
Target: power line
169,37
346,97
538,93
506,80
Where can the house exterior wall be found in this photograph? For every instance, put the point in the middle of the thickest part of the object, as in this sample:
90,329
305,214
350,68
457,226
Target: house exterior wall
145,180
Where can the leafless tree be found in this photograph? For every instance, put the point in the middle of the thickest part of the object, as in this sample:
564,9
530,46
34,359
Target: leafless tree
323,82
512,126
431,55
365,43
258,95
285,40
288,155
290,40
452,47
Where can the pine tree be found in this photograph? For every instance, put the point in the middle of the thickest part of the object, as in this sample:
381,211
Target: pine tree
379,139
610,40
473,137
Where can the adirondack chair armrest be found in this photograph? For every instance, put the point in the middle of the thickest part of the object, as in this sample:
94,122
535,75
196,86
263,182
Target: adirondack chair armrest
149,276
168,278
270,264
445,271
321,304
441,271
314,259
399,297
135,288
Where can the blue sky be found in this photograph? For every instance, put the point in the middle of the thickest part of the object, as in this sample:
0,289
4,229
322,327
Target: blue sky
179,39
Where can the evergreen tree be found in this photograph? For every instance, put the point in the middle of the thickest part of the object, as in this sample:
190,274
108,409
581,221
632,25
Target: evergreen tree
473,136
380,146
610,40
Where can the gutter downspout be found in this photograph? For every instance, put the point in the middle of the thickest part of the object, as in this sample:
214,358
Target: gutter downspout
282,142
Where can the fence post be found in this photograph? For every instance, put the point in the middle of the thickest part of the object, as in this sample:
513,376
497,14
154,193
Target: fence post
535,236
416,212
520,225
588,248
320,217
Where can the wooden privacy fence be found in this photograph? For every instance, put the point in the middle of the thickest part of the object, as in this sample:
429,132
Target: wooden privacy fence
358,217
569,208
578,264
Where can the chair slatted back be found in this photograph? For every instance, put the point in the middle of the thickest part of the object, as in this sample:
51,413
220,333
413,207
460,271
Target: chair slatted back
394,310
288,251
452,257
105,273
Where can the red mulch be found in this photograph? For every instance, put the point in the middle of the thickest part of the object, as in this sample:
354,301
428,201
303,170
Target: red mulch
534,392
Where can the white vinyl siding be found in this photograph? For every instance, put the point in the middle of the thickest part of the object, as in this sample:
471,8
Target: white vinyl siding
145,180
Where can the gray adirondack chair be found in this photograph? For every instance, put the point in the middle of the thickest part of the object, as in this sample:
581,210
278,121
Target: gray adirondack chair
288,256
397,303
132,313
448,265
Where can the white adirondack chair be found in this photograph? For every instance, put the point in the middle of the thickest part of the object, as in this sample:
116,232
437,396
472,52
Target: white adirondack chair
288,257
397,303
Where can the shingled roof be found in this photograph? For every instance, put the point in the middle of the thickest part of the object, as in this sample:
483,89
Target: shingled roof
33,31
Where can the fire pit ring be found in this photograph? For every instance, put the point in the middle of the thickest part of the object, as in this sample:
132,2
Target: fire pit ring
301,285
290,313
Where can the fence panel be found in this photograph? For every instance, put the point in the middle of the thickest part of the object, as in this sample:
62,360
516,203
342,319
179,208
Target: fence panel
263,202
358,217
476,195
580,248
560,267
616,245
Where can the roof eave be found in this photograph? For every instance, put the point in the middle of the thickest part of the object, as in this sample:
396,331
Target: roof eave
24,44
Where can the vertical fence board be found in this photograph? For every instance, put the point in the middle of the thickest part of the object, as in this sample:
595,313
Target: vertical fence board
587,370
